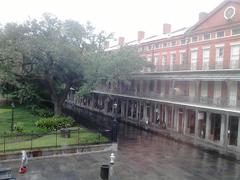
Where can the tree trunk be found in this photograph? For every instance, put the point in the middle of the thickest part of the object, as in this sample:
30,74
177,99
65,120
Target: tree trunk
57,108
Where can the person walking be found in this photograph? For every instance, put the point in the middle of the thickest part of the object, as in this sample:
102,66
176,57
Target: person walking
24,162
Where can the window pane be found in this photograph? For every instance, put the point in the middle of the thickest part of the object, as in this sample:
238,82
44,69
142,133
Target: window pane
236,31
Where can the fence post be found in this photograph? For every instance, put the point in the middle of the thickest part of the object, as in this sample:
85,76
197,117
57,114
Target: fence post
56,137
99,135
31,139
4,142
78,135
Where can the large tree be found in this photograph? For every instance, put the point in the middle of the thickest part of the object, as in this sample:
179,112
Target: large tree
57,55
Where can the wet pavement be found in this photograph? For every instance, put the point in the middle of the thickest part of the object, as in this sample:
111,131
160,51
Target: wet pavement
141,156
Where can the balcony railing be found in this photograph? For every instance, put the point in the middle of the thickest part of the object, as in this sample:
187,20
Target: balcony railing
223,102
205,66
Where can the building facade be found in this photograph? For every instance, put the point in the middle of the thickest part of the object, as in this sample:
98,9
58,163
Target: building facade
193,93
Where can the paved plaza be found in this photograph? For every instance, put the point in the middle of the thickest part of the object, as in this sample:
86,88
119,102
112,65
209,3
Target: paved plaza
141,156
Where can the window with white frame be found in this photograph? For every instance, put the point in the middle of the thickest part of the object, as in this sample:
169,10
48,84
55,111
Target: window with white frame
194,56
173,58
157,45
206,55
164,59
219,54
235,55
156,59
173,43
194,39
183,58
150,47
140,49
220,34
183,41
236,31
206,36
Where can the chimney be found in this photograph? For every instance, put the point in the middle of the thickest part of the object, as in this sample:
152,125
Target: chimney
121,41
106,44
166,28
141,35
202,15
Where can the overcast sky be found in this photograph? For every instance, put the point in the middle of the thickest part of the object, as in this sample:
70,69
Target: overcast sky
124,17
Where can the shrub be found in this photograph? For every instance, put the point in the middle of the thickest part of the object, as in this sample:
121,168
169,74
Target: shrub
55,122
18,127
42,112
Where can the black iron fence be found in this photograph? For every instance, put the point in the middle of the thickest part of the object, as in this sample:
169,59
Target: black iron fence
54,139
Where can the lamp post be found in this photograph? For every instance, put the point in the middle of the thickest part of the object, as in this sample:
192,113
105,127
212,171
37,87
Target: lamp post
12,125
72,93
114,124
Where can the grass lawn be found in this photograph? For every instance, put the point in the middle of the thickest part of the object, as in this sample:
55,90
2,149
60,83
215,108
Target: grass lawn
21,116
24,116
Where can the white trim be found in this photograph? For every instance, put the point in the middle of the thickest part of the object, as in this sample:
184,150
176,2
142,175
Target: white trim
235,43
182,51
206,47
225,12
173,52
194,49
164,53
219,45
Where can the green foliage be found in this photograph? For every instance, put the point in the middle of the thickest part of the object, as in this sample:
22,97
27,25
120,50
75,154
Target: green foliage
43,112
27,94
48,57
18,127
55,123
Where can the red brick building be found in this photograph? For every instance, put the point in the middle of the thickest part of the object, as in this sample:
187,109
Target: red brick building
193,93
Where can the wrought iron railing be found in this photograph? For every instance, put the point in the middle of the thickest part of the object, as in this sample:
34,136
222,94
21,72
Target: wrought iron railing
205,66
223,102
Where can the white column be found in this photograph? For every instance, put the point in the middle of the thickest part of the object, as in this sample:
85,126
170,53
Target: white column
226,140
166,116
105,105
126,113
137,110
196,123
176,119
151,115
184,121
172,117
144,111
154,113
223,129
208,126
132,109
173,90
238,138
122,108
